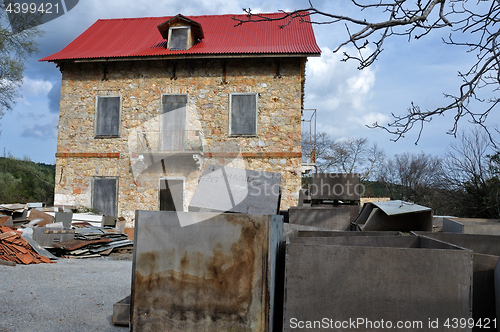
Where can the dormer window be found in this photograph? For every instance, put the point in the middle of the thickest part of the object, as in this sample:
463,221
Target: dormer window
178,38
181,33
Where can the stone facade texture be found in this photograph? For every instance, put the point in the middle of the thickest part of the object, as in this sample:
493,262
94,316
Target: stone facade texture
208,84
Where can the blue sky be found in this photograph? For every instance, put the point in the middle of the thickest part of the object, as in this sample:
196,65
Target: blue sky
346,99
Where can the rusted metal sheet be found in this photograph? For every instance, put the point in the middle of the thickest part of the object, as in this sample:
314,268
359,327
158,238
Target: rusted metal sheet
46,237
16,249
36,214
77,244
217,274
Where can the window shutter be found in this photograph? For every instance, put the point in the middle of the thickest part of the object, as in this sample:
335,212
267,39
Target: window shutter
104,196
178,39
108,116
243,114
173,121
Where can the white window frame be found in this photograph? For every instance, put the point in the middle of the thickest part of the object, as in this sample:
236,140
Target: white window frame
188,28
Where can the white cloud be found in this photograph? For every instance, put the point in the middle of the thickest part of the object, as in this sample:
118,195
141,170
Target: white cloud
371,118
341,95
332,84
44,132
35,87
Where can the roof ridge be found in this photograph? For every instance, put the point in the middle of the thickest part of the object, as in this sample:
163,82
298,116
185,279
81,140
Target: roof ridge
171,16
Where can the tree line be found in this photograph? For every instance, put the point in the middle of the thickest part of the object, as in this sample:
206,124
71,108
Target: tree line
464,182
24,181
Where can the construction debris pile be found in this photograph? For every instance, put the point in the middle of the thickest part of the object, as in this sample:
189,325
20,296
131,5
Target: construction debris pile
92,241
45,232
15,249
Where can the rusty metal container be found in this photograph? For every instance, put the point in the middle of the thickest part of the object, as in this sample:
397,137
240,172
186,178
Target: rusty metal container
221,272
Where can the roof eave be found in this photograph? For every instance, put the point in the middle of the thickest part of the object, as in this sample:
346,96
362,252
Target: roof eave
190,56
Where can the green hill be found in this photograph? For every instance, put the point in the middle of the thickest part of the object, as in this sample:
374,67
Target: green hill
24,181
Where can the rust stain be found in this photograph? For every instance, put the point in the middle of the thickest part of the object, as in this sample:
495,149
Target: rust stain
220,300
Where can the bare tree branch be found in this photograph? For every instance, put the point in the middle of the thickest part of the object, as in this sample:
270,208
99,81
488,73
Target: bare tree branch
473,25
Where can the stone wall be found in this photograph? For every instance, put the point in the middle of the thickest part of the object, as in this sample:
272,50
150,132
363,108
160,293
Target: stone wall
208,83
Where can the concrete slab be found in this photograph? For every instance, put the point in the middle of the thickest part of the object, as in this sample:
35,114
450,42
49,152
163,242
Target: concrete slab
229,189
331,284
217,274
301,233
327,217
486,253
471,226
335,186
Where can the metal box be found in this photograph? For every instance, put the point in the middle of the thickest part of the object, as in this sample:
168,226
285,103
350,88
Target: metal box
220,273
471,226
390,278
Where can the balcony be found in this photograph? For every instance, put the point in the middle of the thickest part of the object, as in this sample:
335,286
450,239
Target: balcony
170,142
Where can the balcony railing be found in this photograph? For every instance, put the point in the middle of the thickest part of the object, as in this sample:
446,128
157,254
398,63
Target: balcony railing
170,141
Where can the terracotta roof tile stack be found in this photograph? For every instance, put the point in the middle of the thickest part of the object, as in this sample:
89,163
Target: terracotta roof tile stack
13,248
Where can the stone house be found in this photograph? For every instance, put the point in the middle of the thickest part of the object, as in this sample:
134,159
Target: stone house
147,103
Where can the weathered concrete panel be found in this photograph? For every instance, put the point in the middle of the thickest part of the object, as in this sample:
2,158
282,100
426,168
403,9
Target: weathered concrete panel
361,241
332,217
301,233
292,229
335,186
486,252
497,291
471,226
343,283
217,274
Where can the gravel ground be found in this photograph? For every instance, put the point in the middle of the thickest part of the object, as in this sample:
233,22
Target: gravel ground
70,295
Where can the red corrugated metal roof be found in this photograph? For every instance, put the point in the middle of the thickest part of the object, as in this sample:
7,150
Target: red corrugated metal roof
132,37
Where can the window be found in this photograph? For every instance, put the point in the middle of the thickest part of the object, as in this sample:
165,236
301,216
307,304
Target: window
104,195
243,114
178,38
108,116
173,122
171,194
